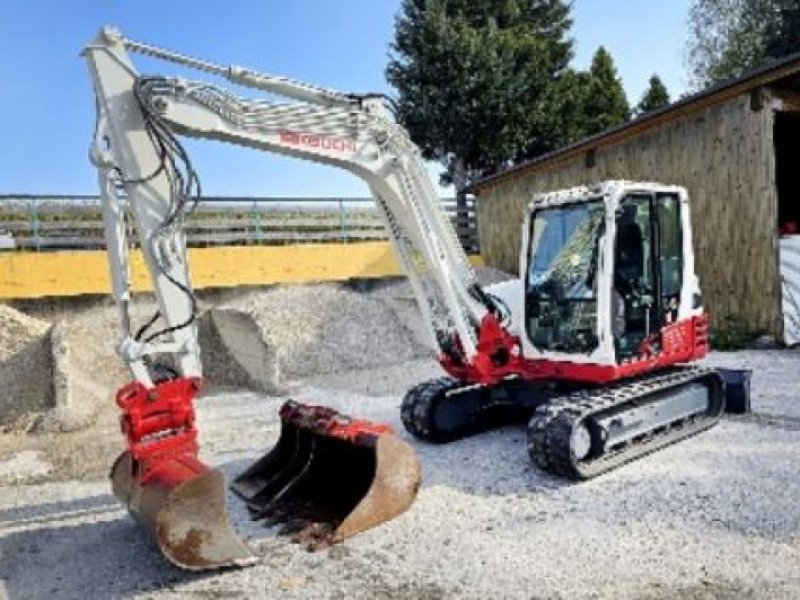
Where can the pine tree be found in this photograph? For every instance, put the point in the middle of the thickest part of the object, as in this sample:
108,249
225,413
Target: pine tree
605,105
473,78
566,106
655,97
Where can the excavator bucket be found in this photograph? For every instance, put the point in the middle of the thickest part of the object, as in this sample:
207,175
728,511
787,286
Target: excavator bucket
177,498
183,507
330,477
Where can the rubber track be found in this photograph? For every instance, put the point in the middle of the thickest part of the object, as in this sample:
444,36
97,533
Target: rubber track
551,427
419,408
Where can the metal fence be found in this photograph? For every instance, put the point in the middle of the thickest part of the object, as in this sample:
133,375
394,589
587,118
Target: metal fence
47,223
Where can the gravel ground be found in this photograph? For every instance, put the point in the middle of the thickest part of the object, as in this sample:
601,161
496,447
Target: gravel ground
716,516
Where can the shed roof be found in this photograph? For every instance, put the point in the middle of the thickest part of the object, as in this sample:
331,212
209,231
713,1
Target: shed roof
787,68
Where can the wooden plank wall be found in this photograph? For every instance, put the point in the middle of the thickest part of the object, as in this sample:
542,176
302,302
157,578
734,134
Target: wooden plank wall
724,156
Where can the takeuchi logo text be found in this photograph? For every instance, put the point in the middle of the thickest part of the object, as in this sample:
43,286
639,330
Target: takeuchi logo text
312,140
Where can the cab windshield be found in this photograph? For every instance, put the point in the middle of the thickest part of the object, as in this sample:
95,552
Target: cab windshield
561,291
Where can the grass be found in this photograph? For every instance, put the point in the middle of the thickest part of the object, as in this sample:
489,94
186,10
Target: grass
733,335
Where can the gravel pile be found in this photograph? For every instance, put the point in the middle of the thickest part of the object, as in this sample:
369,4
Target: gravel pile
490,275
313,329
26,367
258,339
234,353
266,339
18,331
53,377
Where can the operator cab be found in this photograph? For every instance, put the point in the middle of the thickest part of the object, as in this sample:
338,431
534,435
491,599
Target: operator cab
568,257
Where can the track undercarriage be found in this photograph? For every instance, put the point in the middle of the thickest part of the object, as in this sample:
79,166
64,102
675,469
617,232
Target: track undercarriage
573,431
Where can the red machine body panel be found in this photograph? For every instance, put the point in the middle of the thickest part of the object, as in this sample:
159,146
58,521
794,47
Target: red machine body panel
500,356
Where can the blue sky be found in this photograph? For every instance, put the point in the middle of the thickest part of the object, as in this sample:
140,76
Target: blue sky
47,110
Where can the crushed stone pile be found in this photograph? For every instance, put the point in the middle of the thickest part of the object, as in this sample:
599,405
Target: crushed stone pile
270,338
60,368
324,329
234,353
18,331
489,275
26,366
43,388
267,339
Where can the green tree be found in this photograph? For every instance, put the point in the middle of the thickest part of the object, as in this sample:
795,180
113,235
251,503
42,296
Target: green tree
473,79
565,105
605,104
782,29
656,96
731,37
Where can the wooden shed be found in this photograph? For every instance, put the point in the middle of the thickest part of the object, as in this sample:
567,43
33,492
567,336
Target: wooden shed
736,148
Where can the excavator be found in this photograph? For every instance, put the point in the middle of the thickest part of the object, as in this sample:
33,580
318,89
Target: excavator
594,343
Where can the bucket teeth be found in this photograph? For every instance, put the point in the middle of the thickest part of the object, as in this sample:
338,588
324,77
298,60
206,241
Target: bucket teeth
329,477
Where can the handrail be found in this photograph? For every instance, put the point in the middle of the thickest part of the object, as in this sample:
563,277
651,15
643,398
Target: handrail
44,222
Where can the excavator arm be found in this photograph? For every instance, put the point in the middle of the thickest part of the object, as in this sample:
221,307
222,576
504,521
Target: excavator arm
136,149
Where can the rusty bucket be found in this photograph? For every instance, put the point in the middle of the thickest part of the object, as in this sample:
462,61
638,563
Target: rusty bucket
177,498
182,504
330,477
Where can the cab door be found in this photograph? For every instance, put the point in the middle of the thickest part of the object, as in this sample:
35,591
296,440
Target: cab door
648,273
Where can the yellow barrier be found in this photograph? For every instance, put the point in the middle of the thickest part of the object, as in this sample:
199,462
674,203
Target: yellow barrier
36,275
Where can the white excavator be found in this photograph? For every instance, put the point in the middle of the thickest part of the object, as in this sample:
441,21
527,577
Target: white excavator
591,344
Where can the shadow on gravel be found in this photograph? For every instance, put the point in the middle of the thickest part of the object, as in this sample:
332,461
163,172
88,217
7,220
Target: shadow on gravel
57,511
493,463
51,551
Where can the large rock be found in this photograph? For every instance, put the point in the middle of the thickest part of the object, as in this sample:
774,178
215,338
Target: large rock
234,353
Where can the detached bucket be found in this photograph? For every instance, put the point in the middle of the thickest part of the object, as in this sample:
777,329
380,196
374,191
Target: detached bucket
330,477
182,505
177,498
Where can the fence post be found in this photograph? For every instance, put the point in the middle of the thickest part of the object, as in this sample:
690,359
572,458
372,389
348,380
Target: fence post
256,218
342,221
33,216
